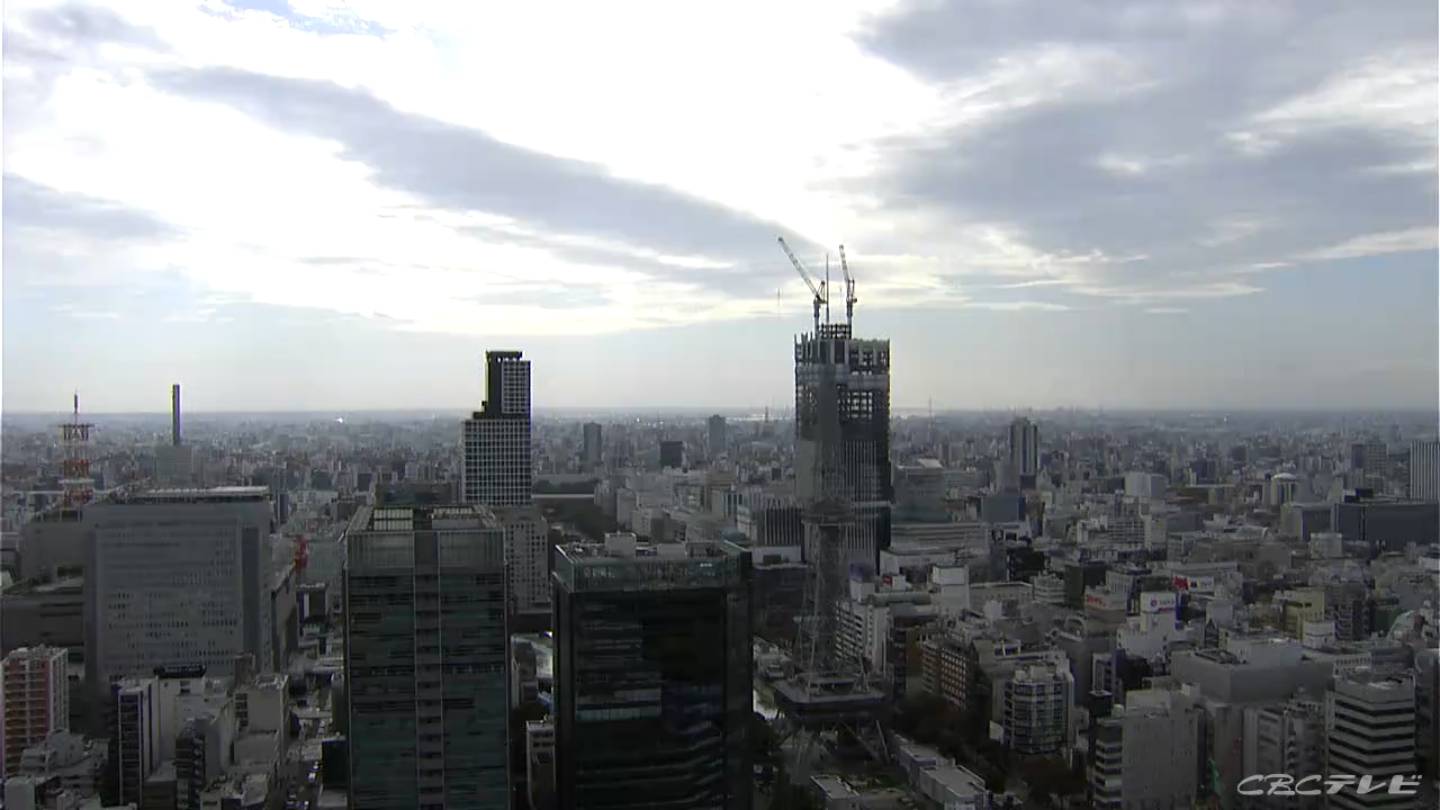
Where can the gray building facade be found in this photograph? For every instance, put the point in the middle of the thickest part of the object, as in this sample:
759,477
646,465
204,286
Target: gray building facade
425,658
176,578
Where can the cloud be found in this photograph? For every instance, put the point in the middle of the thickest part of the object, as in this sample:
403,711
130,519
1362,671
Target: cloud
1038,282
460,169
54,239
1019,306
473,170
1137,156
1142,294
30,205
1166,310
1408,240
88,26
71,311
1391,92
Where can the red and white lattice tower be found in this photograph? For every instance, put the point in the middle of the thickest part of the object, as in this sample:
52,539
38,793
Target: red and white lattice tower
75,479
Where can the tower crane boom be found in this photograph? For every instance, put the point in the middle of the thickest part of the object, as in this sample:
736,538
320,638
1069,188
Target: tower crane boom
849,289
818,290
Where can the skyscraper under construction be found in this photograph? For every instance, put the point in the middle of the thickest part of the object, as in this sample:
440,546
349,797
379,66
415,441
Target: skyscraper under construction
842,481
842,435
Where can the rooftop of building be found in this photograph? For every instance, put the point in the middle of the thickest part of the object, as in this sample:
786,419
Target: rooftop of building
59,514
623,563
190,495
1376,678
39,587
40,651
410,517
856,791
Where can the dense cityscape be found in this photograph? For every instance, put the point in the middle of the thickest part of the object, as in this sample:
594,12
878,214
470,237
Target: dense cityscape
813,405
835,607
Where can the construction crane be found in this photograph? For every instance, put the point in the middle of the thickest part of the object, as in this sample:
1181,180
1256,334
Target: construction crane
818,290
849,289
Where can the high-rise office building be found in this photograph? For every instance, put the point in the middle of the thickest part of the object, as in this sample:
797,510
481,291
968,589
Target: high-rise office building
591,453
842,438
527,553
652,675
1425,470
425,657
1024,452
497,469
1371,459
716,438
498,474
134,745
35,701
178,577
672,454
1370,725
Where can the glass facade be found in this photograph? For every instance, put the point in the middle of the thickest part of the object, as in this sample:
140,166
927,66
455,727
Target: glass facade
652,682
426,659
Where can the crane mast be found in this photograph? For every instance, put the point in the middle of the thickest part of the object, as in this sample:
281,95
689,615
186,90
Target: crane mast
849,289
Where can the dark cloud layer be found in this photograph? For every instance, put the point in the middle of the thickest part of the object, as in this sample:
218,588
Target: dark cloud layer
463,169
34,206
1201,72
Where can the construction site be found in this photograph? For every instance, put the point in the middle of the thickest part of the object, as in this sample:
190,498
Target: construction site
826,700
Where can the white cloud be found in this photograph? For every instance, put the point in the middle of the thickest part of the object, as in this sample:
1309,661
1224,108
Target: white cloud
1131,165
1140,294
1039,282
1392,93
716,103
1374,244
1020,306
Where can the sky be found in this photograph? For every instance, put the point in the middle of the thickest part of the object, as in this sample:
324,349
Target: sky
312,205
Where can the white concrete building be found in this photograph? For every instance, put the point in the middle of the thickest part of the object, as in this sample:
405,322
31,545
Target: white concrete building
1146,752
1370,730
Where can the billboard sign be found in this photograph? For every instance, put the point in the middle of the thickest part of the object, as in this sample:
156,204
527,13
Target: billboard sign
1157,601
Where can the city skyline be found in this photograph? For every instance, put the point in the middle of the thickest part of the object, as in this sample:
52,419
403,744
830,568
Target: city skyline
1250,236
534,454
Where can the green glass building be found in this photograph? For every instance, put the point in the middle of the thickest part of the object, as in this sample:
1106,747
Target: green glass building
425,658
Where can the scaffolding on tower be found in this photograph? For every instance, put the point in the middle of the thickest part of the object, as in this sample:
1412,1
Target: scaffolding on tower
76,483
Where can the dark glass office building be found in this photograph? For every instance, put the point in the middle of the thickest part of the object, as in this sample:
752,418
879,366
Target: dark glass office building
425,658
652,675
